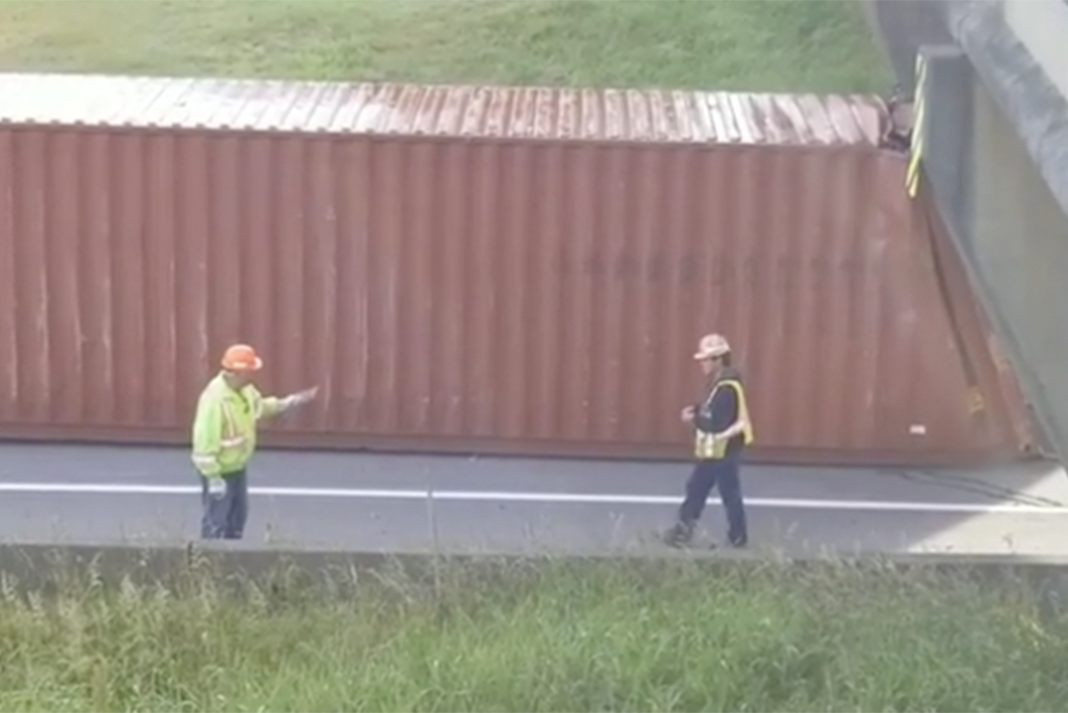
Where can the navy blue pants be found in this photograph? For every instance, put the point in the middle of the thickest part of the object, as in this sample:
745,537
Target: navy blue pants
225,515
709,474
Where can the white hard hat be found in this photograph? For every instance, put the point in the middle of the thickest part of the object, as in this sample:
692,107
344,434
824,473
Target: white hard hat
712,346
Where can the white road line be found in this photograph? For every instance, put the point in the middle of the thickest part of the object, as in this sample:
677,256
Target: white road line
536,497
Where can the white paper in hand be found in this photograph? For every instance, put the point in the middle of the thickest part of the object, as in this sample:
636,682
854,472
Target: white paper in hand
217,488
303,397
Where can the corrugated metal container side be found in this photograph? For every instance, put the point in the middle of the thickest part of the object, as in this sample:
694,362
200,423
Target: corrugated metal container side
522,289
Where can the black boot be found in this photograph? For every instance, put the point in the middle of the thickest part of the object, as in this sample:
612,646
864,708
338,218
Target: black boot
679,535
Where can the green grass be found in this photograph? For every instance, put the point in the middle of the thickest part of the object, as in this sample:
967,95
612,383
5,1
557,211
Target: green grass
549,636
751,45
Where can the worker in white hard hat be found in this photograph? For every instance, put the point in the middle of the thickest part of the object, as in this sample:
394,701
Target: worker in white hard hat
722,431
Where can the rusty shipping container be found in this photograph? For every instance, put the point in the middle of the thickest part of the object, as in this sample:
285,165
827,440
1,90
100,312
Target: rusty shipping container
482,269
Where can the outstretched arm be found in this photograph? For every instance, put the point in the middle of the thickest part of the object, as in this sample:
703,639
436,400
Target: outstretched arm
271,406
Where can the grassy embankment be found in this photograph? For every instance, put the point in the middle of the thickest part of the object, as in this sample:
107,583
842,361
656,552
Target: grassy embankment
672,636
809,45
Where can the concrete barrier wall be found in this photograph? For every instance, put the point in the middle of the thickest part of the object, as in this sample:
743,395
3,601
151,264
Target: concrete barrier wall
1003,191
902,27
1042,26
45,567
1018,246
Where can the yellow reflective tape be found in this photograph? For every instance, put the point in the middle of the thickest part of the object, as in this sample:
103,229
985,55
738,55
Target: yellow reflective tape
705,445
912,173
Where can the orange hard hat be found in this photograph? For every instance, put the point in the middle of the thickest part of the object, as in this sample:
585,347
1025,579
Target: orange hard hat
241,357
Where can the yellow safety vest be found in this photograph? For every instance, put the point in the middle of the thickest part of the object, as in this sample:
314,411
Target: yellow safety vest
708,448
224,429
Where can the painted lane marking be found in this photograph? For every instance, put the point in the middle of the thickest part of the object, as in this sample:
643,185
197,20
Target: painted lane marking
536,497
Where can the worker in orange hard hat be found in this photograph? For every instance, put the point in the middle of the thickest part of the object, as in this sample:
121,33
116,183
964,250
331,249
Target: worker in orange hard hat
722,432
224,439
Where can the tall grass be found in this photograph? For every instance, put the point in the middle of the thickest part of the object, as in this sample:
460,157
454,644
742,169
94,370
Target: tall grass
545,636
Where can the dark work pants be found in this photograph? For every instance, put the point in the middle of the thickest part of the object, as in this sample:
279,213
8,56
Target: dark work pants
225,515
708,474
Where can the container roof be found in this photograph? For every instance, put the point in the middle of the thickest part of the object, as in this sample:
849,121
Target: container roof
629,115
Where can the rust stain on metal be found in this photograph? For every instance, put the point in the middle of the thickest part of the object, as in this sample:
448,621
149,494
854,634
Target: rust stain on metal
496,270
401,110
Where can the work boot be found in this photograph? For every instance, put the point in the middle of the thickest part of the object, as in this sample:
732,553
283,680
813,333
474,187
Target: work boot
679,535
731,544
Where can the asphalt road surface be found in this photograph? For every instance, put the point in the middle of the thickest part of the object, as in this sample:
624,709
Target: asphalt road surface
99,495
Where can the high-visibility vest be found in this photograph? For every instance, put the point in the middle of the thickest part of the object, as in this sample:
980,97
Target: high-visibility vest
708,448
224,428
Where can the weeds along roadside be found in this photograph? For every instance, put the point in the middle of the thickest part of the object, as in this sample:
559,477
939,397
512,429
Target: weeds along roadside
545,634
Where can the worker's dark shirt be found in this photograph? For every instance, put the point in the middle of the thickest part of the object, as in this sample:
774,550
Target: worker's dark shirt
722,412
